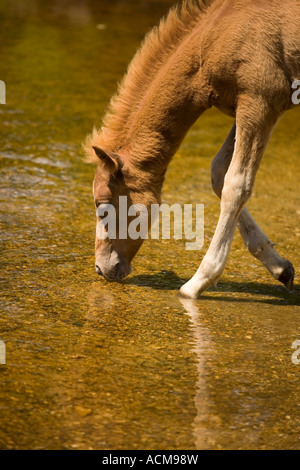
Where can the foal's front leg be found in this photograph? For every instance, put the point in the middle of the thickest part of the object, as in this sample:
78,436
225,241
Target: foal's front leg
254,238
252,136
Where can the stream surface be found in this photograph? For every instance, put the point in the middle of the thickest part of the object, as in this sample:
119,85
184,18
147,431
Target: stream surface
98,365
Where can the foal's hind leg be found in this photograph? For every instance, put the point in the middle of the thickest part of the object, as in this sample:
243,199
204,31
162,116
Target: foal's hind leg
254,238
255,122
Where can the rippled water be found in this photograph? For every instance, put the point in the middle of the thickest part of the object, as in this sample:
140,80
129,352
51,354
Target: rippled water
129,366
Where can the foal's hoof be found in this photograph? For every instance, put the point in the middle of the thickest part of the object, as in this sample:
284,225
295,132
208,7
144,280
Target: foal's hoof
287,277
187,292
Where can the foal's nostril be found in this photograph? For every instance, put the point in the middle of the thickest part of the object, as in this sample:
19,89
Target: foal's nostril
98,270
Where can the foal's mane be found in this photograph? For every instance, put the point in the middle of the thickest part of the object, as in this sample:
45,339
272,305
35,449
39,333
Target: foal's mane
159,44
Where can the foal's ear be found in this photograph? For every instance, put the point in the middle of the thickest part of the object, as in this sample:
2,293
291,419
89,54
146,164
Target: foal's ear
109,161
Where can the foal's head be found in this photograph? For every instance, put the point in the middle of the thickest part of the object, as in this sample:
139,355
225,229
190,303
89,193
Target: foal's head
113,179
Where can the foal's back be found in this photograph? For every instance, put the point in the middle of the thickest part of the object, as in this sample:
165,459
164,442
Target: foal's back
252,45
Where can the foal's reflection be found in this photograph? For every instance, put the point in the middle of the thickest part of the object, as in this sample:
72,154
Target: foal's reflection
202,344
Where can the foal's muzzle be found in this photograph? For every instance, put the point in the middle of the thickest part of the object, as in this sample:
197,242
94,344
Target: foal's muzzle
116,273
98,270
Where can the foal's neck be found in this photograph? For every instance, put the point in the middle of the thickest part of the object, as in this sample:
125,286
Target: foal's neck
172,104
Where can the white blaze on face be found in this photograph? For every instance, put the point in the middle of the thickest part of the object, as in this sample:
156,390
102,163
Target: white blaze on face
108,260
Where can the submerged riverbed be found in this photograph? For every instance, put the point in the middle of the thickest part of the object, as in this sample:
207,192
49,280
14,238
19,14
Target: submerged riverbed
95,365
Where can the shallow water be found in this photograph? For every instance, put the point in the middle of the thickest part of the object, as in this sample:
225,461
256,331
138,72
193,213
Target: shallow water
129,366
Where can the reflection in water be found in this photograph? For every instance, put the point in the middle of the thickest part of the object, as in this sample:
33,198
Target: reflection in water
247,386
202,345
146,383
